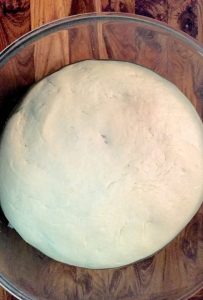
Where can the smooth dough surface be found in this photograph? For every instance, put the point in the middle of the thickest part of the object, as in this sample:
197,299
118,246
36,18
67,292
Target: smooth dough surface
102,164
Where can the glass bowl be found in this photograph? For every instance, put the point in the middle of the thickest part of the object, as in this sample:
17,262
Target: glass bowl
24,271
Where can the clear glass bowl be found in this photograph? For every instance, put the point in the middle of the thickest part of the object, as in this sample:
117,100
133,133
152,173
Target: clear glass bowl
24,271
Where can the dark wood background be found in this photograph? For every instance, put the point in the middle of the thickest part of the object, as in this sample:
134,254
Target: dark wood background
20,16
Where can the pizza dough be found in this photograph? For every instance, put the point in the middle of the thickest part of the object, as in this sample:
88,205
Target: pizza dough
102,164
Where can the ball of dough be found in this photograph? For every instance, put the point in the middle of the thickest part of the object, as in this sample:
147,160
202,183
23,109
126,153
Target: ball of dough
102,164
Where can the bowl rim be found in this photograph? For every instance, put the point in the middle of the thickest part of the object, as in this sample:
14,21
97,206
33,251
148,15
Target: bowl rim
12,289
67,22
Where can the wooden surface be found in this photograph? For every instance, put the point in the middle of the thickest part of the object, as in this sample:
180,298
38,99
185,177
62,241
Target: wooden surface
18,17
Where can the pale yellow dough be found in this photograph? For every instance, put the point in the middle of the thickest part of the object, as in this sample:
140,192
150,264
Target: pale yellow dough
102,164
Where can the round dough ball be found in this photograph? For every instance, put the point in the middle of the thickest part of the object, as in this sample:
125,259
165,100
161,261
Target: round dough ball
102,164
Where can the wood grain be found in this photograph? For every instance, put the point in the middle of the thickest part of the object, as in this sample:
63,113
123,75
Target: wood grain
157,9
14,20
165,275
5,296
125,6
182,14
52,55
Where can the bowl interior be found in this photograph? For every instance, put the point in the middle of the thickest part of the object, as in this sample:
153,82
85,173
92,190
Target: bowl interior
24,270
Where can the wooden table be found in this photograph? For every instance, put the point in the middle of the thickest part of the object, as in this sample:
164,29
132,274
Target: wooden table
20,16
